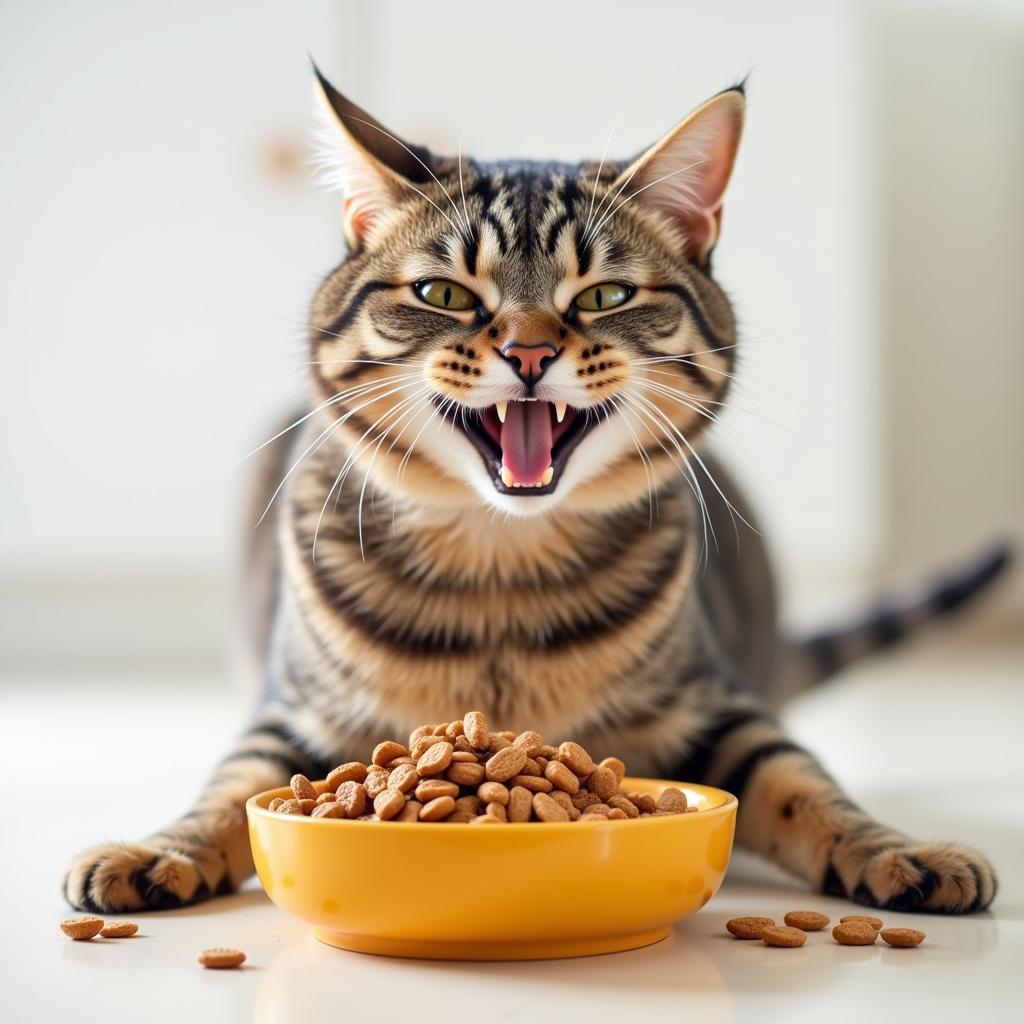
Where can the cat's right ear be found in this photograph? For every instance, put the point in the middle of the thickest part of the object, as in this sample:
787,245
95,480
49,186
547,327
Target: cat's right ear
370,165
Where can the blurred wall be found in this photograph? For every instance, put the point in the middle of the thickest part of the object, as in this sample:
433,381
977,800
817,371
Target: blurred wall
161,248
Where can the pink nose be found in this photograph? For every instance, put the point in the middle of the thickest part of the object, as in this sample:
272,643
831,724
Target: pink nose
529,360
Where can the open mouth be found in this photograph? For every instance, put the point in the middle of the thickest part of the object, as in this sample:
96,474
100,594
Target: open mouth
525,444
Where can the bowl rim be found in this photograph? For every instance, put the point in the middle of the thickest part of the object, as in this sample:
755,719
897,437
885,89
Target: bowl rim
728,806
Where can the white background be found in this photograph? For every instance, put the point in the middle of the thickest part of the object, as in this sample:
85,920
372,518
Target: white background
157,261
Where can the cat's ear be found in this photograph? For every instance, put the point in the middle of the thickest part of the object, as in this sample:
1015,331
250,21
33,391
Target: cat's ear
371,166
685,174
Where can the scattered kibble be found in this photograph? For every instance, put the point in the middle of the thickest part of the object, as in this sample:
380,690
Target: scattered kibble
854,933
783,935
806,920
902,937
118,930
82,928
461,771
748,927
221,958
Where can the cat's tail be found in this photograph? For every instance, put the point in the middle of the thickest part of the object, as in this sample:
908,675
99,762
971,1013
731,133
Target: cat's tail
891,619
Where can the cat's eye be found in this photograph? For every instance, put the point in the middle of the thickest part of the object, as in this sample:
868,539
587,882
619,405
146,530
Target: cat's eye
603,296
446,295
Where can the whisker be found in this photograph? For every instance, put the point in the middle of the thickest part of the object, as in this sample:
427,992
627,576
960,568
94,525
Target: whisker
399,142
319,440
688,475
652,499
462,188
600,168
611,213
333,400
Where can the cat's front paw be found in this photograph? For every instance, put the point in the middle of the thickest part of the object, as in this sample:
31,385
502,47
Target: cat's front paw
118,877
941,878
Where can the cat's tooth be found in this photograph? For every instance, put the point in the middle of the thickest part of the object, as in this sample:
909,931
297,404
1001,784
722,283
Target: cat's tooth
506,477
560,411
546,478
501,408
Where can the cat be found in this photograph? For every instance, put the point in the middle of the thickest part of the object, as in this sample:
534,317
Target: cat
500,500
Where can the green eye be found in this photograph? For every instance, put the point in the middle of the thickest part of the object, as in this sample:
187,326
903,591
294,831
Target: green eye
446,295
606,295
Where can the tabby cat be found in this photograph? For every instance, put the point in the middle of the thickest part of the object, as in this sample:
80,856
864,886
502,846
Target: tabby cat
499,501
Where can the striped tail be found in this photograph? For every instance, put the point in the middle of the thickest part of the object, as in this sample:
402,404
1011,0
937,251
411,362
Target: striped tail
892,619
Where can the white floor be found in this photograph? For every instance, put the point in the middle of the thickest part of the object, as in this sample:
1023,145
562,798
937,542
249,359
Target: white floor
928,739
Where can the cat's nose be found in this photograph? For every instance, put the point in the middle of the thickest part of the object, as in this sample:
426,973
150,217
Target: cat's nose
530,360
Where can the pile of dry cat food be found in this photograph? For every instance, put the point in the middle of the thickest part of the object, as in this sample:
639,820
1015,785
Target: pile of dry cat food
462,772
852,930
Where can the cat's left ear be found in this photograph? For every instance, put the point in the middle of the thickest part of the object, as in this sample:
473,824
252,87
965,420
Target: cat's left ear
685,174
373,167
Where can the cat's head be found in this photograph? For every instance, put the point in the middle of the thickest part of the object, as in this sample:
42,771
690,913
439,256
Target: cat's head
525,334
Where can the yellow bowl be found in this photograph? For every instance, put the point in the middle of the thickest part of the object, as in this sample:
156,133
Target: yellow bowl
499,892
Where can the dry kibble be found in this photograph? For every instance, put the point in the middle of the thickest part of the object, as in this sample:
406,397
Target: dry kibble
672,801
534,783
435,760
643,802
902,937
431,789
303,788
573,756
421,745
466,774
328,810
126,929
806,920
602,781
461,771
854,933
81,928
493,793
388,751
782,935
547,809
623,804
410,812
352,771
437,809
351,798
404,778
388,803
474,728
471,802
562,777
748,927
520,804
376,782
222,958
529,742
505,764
875,922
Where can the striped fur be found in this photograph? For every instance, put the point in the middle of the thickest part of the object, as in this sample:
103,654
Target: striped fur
616,607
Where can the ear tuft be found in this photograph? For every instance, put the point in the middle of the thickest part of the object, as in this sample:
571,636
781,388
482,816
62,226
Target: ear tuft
356,154
685,174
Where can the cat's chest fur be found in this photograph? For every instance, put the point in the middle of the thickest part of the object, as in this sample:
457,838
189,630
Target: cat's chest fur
543,623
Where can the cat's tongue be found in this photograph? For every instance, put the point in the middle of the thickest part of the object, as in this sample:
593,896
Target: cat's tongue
526,443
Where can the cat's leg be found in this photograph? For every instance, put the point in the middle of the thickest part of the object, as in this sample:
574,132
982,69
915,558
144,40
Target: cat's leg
792,812
206,851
